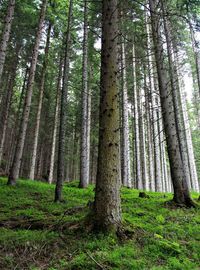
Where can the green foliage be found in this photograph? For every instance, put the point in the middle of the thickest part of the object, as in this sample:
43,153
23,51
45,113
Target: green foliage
36,233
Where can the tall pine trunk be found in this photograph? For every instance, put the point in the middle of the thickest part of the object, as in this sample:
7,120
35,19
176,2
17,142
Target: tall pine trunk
107,207
39,110
63,107
85,144
6,35
126,175
15,168
55,128
181,191
138,175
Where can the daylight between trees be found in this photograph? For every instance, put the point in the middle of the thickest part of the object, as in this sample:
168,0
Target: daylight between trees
115,115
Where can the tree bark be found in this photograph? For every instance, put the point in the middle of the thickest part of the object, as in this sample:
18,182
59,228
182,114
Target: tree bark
6,35
107,207
85,144
181,191
138,175
15,168
39,110
62,126
126,174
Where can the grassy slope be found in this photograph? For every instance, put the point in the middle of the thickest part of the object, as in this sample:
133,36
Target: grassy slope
34,233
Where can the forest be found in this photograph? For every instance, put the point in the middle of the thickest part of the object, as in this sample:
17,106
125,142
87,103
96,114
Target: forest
99,134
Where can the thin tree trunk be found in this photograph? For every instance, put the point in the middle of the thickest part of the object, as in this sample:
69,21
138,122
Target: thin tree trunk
15,168
196,54
62,126
151,179
39,110
107,207
5,113
53,147
85,147
6,35
136,122
126,175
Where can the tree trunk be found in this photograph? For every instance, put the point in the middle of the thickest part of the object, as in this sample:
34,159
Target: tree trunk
126,174
62,126
107,207
136,125
39,110
53,147
181,192
6,35
15,168
85,145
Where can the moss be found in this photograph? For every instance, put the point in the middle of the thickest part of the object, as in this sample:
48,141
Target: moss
157,238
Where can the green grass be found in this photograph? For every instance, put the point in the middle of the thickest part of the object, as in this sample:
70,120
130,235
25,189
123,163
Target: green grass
37,234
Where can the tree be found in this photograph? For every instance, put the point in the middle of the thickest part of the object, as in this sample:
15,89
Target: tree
15,168
107,209
62,127
181,191
85,129
41,92
6,34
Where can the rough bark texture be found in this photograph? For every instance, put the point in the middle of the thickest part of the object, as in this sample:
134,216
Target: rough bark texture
53,147
107,207
126,175
63,107
181,192
138,180
85,145
39,110
15,168
6,34
5,112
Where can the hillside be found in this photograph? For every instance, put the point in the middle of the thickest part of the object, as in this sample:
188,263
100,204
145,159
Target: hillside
36,233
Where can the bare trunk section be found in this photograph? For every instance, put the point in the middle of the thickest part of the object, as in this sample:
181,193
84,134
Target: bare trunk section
6,35
126,175
196,55
39,110
15,168
175,90
107,207
138,175
150,182
53,147
85,144
143,153
181,192
5,114
63,107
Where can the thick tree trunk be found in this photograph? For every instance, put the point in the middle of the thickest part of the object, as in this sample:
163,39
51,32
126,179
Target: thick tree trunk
63,107
126,175
15,168
56,120
181,192
175,90
6,35
39,110
85,144
107,207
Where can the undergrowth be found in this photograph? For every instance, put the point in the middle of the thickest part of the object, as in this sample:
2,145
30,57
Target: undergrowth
37,234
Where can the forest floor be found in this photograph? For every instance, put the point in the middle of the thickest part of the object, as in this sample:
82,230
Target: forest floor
36,233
